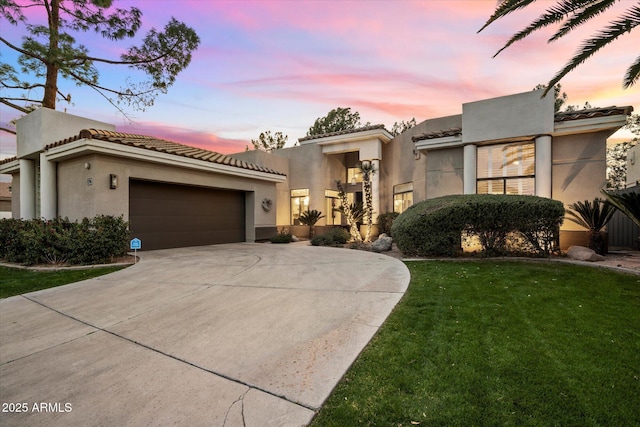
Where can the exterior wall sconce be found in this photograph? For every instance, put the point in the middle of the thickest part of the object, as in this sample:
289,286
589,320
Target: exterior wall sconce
113,181
366,164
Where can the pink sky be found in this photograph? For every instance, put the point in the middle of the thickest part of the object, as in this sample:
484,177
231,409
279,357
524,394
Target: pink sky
279,65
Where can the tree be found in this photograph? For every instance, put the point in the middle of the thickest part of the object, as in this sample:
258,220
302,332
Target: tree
570,15
353,213
559,96
403,126
50,52
310,217
267,142
368,169
336,120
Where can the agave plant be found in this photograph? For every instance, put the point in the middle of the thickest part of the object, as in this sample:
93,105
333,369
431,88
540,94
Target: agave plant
593,216
310,218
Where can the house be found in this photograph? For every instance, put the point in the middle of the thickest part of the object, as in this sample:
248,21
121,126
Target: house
514,144
172,195
175,195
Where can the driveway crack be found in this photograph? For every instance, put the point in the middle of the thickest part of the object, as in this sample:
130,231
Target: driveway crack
240,400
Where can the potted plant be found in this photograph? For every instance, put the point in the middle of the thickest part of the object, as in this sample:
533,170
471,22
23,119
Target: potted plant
593,216
310,217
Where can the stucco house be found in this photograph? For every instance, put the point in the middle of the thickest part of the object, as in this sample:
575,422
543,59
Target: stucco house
514,144
173,195
176,195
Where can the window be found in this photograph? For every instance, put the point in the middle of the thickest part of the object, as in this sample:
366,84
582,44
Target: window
354,176
402,197
331,213
506,169
299,204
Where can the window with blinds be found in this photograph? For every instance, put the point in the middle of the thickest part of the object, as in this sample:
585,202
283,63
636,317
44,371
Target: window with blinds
506,169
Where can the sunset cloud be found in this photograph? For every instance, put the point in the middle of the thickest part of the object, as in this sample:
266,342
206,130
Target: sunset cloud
279,65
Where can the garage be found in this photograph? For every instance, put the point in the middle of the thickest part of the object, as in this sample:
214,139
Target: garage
164,215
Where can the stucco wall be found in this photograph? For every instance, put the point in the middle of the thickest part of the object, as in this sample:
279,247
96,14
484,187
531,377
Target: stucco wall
444,172
76,199
512,116
45,126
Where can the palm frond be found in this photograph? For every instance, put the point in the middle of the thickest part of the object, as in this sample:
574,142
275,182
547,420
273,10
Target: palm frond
632,75
591,215
628,203
589,47
504,8
589,9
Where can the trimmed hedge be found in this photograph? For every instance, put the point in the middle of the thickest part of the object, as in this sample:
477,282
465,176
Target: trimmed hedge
59,241
385,221
502,223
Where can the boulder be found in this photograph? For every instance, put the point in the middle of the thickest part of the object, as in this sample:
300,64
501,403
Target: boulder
581,253
383,244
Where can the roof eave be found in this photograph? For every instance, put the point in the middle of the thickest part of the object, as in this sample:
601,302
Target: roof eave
594,124
89,146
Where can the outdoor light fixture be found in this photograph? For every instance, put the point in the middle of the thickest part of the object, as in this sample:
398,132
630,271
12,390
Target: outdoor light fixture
113,181
366,163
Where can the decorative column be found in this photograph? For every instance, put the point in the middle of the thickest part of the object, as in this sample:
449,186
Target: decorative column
469,168
543,166
48,188
27,189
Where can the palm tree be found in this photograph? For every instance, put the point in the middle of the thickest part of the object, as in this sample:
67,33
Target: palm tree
593,216
628,203
368,168
571,14
310,217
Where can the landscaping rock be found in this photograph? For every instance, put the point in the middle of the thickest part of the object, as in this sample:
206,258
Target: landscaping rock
383,244
581,253
294,238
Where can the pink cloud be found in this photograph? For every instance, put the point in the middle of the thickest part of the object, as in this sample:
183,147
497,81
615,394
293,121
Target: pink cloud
208,141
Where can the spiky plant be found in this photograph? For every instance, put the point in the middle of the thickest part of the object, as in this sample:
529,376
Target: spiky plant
571,14
352,212
310,218
628,203
593,216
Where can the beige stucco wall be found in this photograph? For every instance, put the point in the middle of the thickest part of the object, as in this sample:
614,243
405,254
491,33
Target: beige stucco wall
401,164
306,167
444,172
633,166
77,199
45,126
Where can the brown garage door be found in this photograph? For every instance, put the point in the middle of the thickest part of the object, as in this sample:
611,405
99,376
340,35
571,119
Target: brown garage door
166,215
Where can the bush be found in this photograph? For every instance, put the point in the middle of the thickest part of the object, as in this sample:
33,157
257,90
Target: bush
385,221
59,241
335,236
282,237
502,223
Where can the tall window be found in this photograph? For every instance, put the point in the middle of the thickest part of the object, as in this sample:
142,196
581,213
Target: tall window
506,169
402,197
299,204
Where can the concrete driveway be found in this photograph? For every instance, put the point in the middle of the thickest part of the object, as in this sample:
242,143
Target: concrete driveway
228,335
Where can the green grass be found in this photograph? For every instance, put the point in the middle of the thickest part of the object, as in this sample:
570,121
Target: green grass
15,281
492,343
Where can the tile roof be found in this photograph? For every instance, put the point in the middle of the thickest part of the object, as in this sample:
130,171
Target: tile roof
341,132
592,112
438,134
163,146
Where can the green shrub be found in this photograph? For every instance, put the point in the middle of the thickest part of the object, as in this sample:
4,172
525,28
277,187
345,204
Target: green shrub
335,236
385,221
59,241
282,237
502,223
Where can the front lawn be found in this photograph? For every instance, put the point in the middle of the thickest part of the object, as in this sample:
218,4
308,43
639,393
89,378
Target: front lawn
15,281
500,343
